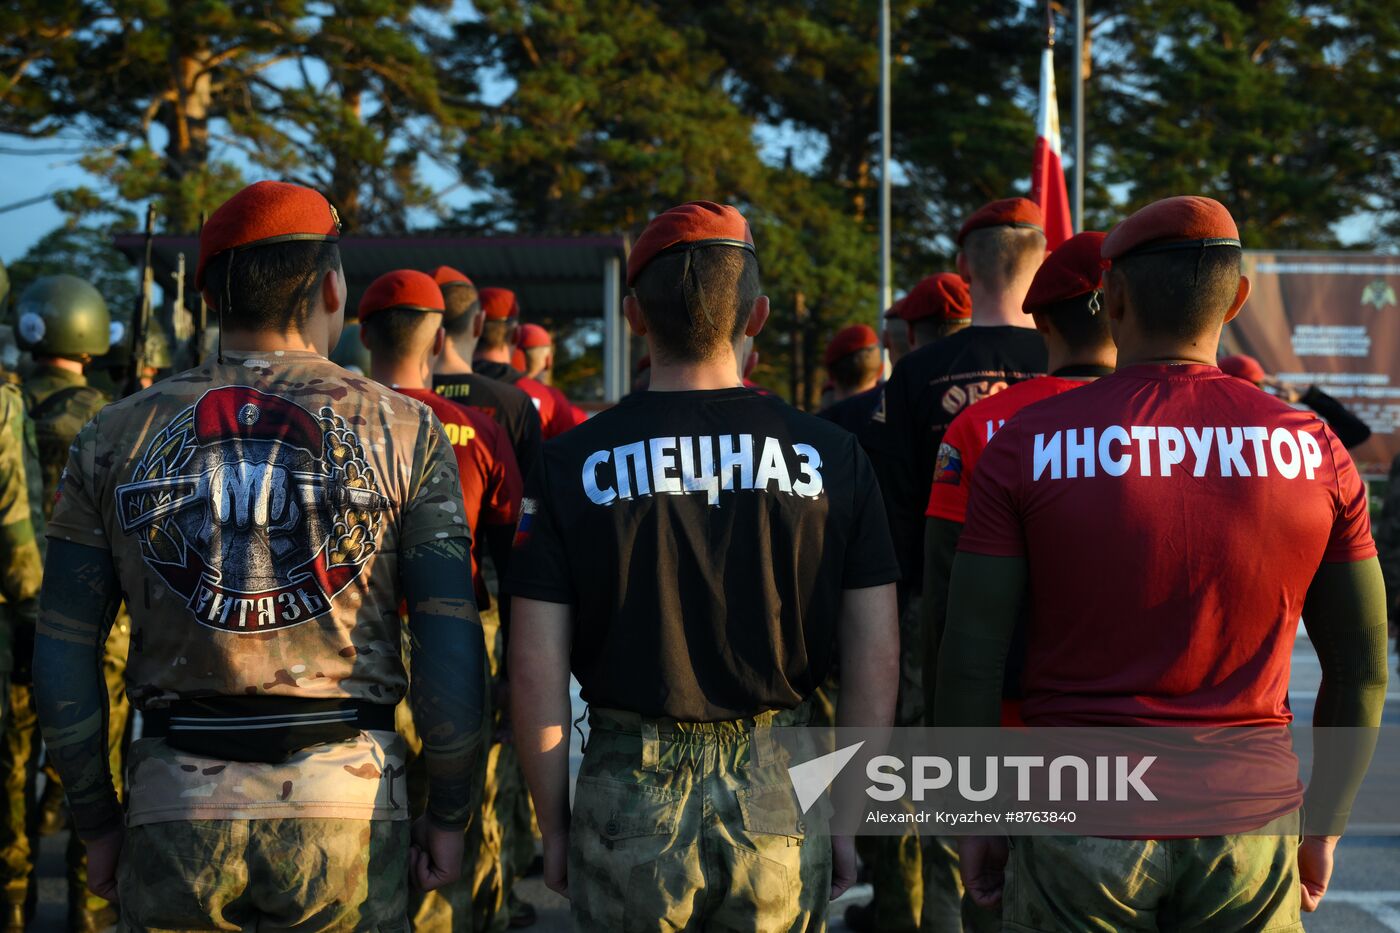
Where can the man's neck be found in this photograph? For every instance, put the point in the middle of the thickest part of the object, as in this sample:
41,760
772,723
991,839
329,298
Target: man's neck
493,354
63,363
840,394
999,307
258,341
722,372
452,363
1192,352
1062,357
399,374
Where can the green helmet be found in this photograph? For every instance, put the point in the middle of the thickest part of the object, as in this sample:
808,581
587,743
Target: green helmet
62,315
350,353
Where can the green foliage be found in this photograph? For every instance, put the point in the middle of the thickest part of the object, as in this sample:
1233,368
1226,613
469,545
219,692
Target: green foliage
86,251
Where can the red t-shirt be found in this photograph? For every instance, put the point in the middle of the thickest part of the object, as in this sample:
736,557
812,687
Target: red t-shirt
566,414
968,436
1172,519
544,404
491,482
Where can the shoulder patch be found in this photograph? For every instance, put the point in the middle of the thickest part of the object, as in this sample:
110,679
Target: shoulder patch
948,469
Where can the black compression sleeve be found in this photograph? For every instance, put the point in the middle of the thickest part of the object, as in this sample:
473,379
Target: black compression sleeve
1350,430
448,672
940,547
984,602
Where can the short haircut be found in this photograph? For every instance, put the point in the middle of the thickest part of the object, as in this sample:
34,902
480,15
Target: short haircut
997,256
397,333
496,334
1180,293
697,301
1080,327
856,369
931,329
273,287
462,302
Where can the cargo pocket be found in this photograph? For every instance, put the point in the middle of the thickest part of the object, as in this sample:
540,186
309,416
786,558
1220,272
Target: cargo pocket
626,871
772,810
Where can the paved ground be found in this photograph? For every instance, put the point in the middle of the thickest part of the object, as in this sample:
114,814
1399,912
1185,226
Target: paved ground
1365,895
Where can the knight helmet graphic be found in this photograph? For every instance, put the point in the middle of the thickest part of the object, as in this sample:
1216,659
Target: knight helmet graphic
254,510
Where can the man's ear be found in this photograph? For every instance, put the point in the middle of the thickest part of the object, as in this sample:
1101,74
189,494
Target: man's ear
758,316
478,323
1113,302
333,290
1241,296
439,342
632,310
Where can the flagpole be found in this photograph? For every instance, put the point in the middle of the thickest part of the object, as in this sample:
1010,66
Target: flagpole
1078,65
886,279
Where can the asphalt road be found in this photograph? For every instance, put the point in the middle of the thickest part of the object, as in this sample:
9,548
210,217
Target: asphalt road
1365,894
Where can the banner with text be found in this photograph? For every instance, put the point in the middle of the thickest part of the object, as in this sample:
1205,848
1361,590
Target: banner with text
1331,320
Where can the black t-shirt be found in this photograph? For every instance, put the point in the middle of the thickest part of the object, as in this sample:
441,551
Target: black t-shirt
703,539
853,413
508,406
926,391
501,372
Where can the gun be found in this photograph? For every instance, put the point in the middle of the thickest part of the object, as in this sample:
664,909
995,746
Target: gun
142,310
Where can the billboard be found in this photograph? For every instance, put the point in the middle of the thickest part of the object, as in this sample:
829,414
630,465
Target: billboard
1331,320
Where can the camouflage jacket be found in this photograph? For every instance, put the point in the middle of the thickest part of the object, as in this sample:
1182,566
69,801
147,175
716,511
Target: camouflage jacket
60,403
21,520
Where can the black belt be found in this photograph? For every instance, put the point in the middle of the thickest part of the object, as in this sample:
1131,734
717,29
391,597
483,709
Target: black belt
261,728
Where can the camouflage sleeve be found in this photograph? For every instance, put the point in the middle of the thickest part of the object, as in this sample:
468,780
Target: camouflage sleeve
448,670
79,600
433,510
21,516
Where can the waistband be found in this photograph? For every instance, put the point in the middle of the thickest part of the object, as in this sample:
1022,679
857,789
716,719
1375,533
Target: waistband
268,715
630,723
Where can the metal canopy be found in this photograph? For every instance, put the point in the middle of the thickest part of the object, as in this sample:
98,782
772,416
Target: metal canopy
553,277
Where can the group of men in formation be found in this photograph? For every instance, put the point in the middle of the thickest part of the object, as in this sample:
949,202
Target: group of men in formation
346,572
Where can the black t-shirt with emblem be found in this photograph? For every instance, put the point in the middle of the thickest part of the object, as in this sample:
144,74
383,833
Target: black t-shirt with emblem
926,391
703,539
508,406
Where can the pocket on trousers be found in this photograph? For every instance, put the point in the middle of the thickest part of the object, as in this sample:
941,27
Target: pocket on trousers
621,810
772,810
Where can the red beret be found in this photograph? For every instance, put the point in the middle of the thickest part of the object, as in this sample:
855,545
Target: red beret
691,225
1173,223
1008,212
943,296
1075,268
446,275
266,212
402,288
1243,367
850,339
532,336
499,304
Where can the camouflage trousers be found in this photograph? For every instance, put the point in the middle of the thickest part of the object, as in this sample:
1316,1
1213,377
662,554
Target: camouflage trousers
19,764
693,826
275,874
1214,884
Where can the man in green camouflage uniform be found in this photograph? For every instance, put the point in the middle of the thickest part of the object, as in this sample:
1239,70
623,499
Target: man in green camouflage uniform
234,504
64,323
695,556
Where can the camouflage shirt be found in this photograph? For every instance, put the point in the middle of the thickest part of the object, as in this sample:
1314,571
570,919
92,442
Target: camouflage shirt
256,511
21,520
60,403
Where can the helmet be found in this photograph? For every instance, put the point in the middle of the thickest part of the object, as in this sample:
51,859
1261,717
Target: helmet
62,315
350,353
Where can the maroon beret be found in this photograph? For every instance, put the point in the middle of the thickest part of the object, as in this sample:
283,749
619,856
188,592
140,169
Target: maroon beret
943,296
1243,367
1184,222
403,288
850,339
266,212
689,226
1075,268
1008,212
499,304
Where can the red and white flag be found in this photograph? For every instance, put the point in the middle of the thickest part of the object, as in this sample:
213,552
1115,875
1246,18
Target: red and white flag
1047,174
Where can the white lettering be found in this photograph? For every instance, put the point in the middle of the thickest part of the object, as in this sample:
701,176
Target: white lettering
1288,467
1171,448
663,462
1200,448
1077,453
772,466
882,770
598,495
705,479
1144,437
1046,455
1111,466
809,477
1230,460
1257,436
636,470
740,458
1312,453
